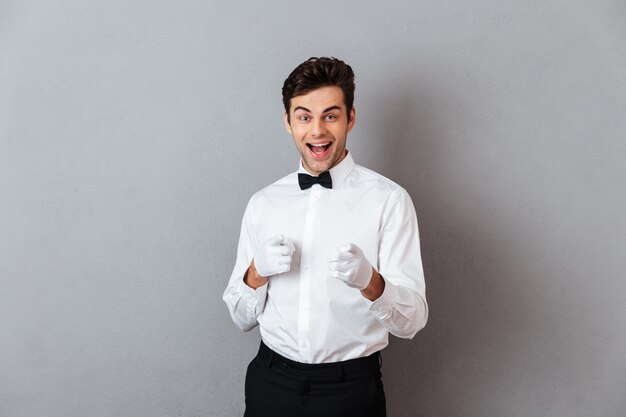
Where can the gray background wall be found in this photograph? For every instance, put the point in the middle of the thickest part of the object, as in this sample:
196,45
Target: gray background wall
133,133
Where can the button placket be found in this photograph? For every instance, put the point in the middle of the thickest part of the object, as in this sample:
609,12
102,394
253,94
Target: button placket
304,310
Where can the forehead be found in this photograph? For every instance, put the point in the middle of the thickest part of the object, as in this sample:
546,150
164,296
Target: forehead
320,99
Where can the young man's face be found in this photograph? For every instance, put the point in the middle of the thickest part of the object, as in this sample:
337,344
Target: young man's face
319,126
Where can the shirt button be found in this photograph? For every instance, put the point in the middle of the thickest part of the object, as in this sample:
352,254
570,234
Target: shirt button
304,344
306,267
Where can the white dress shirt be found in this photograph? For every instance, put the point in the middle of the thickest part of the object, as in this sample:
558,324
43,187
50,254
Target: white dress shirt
305,314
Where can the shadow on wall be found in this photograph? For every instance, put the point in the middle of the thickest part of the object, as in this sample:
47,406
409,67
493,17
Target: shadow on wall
445,368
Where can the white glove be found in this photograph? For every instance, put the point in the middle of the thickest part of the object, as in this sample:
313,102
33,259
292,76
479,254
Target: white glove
348,264
274,256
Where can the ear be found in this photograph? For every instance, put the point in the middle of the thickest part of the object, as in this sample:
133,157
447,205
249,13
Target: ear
287,124
352,119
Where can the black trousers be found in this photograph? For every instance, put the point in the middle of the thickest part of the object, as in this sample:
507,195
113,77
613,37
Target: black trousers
279,387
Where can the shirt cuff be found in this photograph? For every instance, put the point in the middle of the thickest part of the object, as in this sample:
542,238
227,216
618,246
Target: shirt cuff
383,306
255,299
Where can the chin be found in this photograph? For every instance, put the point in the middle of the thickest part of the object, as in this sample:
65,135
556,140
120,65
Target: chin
317,167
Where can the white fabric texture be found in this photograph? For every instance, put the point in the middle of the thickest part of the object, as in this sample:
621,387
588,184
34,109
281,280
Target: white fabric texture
274,256
305,314
348,264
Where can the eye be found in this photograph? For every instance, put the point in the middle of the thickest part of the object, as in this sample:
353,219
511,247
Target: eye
331,117
304,118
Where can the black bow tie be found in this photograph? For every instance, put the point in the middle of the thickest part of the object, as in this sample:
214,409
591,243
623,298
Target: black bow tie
307,181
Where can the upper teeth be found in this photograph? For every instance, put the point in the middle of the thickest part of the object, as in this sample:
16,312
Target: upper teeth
319,144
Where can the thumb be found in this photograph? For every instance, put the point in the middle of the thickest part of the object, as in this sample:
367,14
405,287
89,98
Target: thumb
346,248
274,240
289,243
339,253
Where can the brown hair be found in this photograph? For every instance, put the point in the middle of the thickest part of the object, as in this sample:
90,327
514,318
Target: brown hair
319,72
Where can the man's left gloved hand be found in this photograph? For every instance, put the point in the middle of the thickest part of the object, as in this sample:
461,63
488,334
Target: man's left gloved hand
348,264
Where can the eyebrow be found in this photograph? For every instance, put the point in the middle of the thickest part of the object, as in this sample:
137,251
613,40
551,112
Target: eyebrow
324,111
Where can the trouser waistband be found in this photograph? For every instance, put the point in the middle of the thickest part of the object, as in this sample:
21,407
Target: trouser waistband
344,369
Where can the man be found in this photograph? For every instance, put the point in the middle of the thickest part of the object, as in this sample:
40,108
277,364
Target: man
328,264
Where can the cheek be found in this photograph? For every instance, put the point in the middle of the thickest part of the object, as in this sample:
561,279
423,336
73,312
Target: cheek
298,132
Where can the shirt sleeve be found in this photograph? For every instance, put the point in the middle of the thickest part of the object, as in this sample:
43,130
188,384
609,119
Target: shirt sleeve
402,307
244,303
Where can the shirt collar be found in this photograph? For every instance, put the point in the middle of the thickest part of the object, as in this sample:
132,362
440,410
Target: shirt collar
339,172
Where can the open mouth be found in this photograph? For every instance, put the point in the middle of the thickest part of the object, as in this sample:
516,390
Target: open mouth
319,149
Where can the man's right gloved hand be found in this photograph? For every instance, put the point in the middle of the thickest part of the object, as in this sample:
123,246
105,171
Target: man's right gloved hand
274,256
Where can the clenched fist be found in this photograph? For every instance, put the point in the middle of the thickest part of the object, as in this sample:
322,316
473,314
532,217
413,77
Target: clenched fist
274,256
348,264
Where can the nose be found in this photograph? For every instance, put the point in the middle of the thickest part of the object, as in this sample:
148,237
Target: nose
318,128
